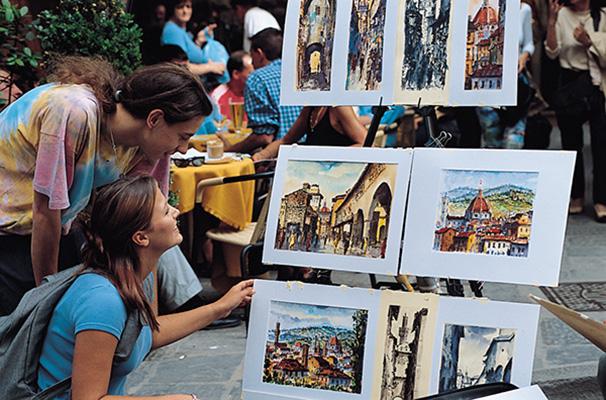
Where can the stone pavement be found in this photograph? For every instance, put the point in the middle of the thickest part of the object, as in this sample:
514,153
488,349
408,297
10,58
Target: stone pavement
210,363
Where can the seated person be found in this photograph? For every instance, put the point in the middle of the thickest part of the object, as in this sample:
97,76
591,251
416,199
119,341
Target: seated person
174,54
324,126
174,33
131,225
239,67
267,118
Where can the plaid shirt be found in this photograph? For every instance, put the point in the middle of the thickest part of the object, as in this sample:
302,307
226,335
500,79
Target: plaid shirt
262,102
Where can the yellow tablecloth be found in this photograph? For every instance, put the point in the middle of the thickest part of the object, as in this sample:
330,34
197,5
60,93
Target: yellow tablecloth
231,203
199,141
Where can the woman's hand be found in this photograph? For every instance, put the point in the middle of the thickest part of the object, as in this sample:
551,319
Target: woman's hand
523,60
215,67
238,295
581,36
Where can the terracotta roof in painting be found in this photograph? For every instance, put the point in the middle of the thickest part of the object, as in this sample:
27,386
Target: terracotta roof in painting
478,204
486,15
489,71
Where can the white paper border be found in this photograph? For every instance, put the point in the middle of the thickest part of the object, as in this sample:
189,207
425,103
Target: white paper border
528,393
385,266
289,95
524,318
296,292
541,267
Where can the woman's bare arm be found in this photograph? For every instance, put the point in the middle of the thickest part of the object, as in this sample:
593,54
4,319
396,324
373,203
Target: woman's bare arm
350,125
92,365
296,132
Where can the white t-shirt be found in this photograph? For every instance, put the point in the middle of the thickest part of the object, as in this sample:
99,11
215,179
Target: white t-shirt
255,20
571,53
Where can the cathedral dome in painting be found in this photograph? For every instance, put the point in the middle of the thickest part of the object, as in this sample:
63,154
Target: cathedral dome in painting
486,15
478,204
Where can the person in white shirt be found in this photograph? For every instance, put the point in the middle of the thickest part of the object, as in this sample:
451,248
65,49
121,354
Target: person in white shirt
254,18
576,35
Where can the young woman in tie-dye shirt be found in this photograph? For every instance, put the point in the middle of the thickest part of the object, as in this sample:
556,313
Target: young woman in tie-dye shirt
60,141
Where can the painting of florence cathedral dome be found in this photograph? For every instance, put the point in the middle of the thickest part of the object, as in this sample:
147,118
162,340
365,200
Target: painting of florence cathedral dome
485,212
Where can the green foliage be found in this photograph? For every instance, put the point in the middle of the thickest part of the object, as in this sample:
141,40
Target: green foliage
173,197
16,57
91,28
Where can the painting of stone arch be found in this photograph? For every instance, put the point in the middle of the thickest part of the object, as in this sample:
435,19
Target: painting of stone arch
473,355
366,39
426,29
329,207
315,44
485,212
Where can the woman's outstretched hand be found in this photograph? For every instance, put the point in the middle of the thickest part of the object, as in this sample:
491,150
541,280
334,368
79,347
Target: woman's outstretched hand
239,295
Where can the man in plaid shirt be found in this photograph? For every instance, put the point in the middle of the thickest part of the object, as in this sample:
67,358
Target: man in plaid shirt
268,119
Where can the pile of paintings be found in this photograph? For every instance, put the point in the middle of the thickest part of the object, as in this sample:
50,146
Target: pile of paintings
436,52
492,215
315,341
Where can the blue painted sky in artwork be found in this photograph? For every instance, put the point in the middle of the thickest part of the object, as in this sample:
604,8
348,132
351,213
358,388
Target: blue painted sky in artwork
453,179
333,177
297,315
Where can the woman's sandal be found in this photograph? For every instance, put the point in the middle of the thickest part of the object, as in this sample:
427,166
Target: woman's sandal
575,206
600,213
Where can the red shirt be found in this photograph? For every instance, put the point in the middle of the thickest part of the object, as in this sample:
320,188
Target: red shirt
222,95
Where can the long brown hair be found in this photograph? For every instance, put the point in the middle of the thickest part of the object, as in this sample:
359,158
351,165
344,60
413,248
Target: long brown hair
119,210
169,87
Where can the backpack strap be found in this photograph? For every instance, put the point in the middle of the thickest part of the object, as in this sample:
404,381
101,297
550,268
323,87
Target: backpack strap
130,334
55,390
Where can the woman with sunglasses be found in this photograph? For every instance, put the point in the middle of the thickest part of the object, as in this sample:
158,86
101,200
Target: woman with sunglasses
131,224
60,141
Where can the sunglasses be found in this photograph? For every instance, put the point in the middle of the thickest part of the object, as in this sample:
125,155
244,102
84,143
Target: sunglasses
184,162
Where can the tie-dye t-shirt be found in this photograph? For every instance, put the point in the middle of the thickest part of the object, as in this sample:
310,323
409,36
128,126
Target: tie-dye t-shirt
51,142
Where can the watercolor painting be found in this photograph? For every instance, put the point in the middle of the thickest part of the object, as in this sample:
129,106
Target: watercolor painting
426,30
313,346
366,41
315,44
485,45
401,353
485,212
473,355
336,208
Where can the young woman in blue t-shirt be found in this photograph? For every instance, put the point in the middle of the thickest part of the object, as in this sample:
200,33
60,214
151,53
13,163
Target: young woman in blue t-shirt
131,225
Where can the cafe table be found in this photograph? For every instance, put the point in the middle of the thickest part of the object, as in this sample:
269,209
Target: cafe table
231,203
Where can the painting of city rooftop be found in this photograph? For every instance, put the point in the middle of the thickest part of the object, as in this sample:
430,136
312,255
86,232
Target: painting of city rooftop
473,355
485,45
485,212
339,208
314,346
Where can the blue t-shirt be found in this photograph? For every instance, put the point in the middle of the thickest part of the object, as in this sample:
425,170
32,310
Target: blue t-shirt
213,51
174,34
91,303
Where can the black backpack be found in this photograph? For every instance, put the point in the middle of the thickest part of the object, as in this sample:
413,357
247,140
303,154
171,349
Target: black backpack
22,335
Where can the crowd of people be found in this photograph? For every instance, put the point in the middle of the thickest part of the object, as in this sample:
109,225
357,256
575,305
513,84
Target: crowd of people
84,164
